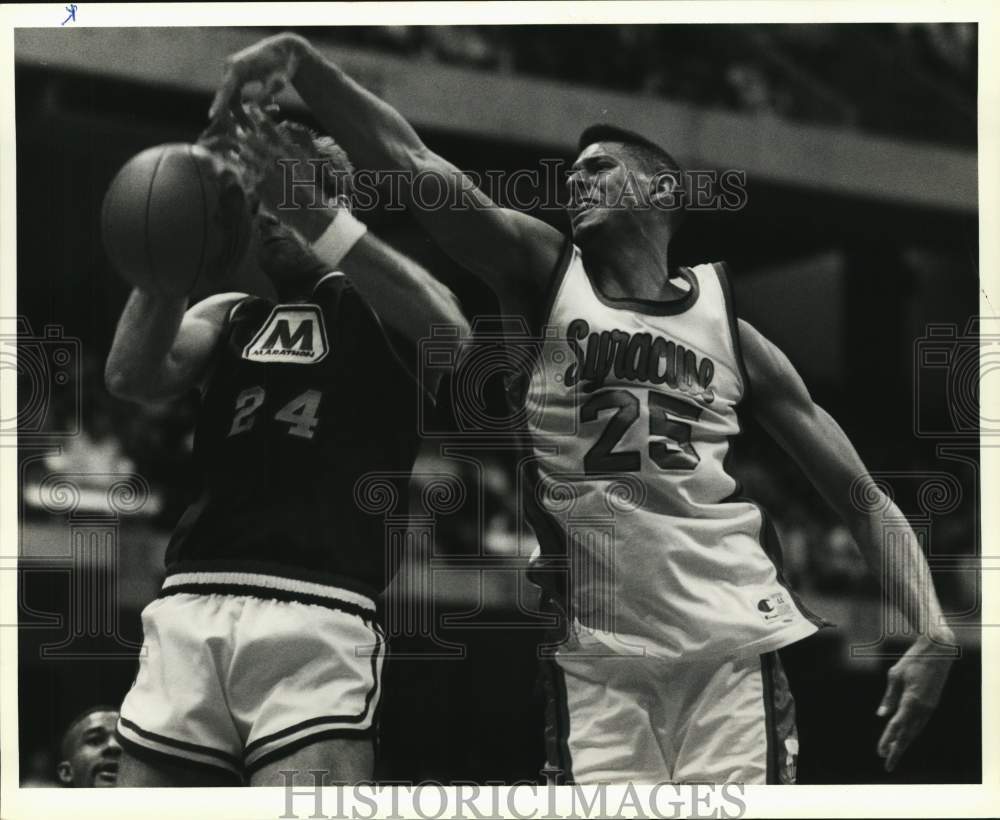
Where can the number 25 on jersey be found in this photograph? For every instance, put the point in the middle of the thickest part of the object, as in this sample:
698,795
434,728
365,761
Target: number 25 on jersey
670,446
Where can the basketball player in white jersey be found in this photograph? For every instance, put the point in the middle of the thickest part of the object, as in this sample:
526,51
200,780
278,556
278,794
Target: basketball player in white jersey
669,671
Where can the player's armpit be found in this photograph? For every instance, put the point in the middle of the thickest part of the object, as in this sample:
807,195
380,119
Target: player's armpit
407,299
403,293
512,252
782,404
190,359
160,351
828,458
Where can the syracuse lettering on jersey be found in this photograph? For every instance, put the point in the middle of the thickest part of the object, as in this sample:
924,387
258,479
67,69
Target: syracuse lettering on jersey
640,357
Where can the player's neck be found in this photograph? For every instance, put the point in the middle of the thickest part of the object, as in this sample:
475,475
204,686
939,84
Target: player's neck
635,269
296,285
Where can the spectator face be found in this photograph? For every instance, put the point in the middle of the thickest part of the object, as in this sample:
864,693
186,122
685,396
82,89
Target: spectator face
90,752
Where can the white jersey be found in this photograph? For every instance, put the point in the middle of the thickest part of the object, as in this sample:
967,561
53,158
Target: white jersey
631,410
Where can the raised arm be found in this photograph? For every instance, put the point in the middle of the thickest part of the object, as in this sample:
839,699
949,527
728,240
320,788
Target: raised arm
512,252
821,448
403,292
161,350
404,295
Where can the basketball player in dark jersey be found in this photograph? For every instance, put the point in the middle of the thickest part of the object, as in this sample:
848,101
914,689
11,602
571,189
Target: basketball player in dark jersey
263,651
653,365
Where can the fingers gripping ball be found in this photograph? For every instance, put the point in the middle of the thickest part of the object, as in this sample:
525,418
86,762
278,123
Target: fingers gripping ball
175,216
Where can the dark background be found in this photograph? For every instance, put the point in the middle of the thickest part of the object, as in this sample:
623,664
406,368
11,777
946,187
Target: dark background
846,284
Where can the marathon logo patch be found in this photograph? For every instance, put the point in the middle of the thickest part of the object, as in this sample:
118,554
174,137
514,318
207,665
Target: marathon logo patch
293,334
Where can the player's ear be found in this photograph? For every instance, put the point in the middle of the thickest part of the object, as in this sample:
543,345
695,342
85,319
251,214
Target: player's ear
64,771
666,191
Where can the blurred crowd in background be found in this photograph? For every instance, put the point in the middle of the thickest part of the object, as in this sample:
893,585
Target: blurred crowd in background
901,79
156,443
916,82
897,79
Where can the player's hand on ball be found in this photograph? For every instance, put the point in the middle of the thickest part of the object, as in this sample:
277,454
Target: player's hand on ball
174,216
914,687
280,162
272,62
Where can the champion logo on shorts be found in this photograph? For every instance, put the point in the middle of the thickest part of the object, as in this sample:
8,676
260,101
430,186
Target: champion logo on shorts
774,607
292,333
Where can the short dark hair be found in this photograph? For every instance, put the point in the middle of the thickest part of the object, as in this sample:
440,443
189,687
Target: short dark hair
645,148
654,157
337,170
64,749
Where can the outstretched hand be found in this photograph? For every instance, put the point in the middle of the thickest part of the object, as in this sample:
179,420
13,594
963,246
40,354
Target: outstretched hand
914,687
276,165
272,62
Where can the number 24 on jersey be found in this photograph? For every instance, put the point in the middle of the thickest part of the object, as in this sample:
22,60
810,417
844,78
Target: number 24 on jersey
301,413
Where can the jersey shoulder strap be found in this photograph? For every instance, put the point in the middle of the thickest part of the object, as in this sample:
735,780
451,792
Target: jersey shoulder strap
723,273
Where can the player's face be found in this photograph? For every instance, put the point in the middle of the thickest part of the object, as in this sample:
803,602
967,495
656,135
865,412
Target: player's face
94,752
601,187
281,252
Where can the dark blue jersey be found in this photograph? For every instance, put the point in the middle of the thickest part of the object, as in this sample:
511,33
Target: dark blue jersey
303,400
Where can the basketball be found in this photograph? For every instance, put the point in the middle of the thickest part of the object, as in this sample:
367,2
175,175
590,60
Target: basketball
175,216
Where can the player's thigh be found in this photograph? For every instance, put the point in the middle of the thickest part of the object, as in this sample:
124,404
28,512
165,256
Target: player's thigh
174,726
741,727
136,773
341,760
326,686
598,722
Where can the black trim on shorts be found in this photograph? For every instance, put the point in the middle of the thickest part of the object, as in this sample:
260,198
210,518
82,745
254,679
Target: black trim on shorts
376,724
269,593
317,721
181,744
557,720
277,570
288,730
556,727
770,733
302,742
155,757
779,711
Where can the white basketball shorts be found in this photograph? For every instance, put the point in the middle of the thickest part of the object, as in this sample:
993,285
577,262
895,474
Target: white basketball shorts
235,681
617,719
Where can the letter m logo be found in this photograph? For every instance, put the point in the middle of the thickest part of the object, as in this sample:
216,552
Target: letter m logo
282,336
292,334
